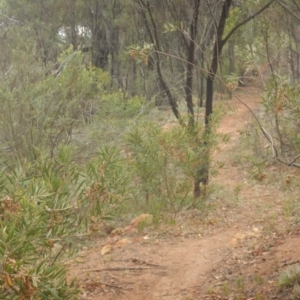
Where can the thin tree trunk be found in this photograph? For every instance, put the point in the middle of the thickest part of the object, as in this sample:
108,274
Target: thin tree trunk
201,92
202,172
217,50
155,40
218,46
190,62
231,61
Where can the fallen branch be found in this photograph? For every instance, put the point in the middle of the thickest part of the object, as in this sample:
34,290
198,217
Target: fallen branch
142,262
113,285
123,269
290,263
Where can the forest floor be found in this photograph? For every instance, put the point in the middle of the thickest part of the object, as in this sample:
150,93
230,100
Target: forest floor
235,250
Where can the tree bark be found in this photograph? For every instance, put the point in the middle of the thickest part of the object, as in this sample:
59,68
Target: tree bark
155,40
202,172
100,49
218,46
190,62
201,92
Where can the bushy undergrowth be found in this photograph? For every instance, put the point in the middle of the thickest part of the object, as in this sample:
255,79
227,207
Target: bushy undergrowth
45,209
290,278
74,153
165,163
42,109
37,227
281,102
47,206
279,117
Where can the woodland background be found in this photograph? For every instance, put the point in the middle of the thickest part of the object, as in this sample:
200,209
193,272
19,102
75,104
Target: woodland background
109,108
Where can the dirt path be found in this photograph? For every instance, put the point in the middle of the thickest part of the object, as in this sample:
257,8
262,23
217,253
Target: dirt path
170,268
186,264
222,257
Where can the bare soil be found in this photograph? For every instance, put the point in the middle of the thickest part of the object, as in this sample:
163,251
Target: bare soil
235,251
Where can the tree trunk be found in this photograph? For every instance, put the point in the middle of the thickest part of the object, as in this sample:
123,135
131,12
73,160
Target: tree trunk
100,49
201,92
155,40
231,57
231,61
190,62
218,46
202,174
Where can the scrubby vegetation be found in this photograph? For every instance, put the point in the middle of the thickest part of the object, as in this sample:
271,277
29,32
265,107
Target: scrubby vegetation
99,124
63,170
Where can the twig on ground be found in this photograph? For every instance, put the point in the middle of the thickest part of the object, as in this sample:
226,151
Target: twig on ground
123,269
290,263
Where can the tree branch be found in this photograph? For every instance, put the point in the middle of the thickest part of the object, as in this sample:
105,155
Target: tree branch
233,30
297,5
289,11
268,136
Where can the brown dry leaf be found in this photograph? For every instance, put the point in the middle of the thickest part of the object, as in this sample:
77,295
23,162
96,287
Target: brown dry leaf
122,243
233,242
240,236
262,177
127,228
278,108
288,180
111,240
7,280
116,232
94,228
106,249
146,218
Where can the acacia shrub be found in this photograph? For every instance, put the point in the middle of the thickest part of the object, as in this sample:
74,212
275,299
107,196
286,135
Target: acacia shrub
165,162
39,111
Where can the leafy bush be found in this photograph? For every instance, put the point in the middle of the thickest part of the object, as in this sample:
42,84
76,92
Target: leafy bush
107,182
46,208
290,278
37,230
114,105
281,102
39,112
31,267
144,153
166,162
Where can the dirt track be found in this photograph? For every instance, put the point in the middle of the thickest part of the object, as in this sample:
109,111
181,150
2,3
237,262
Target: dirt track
235,252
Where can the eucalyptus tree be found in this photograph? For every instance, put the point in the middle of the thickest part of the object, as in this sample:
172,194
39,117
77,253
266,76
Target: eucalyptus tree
40,22
175,16
289,21
187,36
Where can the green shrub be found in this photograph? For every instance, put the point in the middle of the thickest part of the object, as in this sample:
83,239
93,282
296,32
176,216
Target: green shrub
39,112
37,231
290,278
281,102
165,163
46,208
107,184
